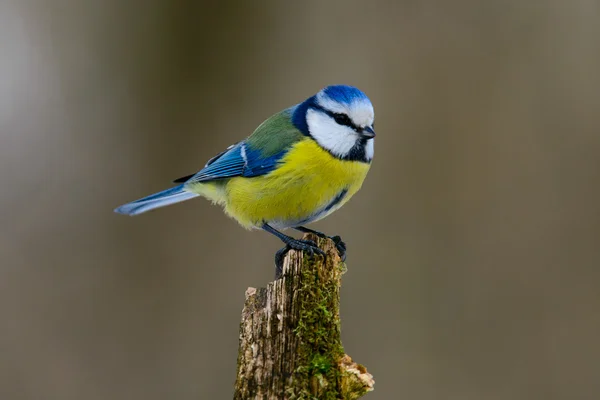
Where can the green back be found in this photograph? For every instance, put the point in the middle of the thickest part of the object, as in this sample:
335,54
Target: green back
275,135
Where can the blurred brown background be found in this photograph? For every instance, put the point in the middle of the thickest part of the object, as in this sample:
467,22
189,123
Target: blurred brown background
474,246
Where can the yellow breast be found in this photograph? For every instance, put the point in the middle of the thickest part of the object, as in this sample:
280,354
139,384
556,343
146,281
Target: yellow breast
298,191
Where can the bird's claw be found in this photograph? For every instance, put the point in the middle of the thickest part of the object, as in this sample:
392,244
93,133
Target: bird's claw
340,246
279,256
308,246
339,243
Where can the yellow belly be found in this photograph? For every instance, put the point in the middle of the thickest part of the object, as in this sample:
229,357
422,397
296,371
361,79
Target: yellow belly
298,191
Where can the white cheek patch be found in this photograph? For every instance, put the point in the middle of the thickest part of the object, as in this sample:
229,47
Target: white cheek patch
338,139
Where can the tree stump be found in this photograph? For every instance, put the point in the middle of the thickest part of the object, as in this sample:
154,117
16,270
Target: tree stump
290,346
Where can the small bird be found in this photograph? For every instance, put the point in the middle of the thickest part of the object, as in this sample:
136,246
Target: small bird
298,166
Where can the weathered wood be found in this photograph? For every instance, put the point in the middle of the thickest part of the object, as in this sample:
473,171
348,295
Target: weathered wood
290,346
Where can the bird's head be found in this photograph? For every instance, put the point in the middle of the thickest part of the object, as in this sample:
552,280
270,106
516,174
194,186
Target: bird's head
340,119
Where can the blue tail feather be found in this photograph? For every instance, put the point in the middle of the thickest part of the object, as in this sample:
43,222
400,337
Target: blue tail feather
156,200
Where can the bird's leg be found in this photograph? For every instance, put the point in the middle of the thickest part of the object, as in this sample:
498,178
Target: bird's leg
308,246
339,243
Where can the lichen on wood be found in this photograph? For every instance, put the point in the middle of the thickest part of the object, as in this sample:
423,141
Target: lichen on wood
290,342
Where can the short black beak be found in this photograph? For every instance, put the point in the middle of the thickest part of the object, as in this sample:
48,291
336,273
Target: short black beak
367,132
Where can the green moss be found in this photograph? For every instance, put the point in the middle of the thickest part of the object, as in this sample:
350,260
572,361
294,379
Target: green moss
320,364
318,330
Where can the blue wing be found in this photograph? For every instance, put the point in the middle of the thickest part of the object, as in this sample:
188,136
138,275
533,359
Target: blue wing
237,160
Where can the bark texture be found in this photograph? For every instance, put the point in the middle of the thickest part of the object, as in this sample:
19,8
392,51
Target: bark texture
290,346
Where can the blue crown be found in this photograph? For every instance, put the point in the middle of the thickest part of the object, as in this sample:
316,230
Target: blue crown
345,94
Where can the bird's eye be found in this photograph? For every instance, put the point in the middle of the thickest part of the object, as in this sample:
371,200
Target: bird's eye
342,119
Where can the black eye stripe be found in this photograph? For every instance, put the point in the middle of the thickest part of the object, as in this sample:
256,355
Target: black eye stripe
341,119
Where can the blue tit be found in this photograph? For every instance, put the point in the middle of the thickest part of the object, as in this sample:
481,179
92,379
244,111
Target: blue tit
298,166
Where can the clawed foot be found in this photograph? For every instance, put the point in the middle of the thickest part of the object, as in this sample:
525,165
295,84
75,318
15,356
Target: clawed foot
307,246
340,245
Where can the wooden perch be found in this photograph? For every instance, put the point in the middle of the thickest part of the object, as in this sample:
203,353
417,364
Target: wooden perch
290,345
